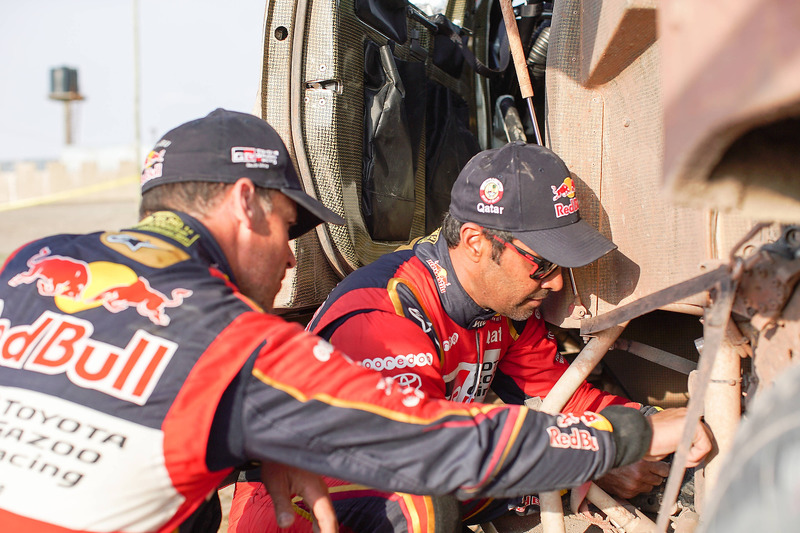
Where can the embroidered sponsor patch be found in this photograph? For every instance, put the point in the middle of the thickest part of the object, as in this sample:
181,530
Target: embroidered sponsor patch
450,342
254,157
567,191
440,274
153,165
399,361
577,439
491,191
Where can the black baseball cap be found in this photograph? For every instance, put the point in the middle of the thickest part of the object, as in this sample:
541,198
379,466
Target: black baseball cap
225,146
526,189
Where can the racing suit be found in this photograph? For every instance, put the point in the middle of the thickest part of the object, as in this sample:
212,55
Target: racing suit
407,316
134,376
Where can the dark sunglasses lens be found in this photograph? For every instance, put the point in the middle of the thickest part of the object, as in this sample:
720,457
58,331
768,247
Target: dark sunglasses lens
545,269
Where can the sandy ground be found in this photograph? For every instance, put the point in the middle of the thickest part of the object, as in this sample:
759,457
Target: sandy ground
81,211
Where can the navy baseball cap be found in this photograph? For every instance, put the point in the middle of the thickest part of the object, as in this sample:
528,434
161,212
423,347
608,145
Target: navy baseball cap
225,146
526,189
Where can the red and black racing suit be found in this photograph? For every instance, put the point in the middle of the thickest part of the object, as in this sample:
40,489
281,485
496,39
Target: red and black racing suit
407,316
134,376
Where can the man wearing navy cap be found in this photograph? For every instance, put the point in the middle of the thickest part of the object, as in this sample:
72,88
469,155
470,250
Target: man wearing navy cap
459,314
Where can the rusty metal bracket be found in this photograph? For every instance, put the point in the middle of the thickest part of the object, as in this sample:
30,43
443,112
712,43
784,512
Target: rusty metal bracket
655,301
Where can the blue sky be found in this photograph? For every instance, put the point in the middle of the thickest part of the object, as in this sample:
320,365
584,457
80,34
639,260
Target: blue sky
196,55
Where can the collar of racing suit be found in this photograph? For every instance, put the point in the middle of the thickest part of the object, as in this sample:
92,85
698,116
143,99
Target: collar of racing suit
190,234
456,302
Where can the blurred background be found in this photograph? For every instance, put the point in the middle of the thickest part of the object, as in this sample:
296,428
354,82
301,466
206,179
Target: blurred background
90,85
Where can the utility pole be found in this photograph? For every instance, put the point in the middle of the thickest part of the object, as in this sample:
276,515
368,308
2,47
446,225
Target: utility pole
136,84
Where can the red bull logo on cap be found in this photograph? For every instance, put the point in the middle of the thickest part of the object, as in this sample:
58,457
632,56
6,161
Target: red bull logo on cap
153,165
76,286
565,190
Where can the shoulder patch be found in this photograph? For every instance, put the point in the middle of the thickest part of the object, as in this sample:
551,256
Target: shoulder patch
170,225
145,249
407,304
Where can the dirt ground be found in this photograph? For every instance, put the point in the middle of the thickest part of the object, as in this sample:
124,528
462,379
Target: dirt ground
80,211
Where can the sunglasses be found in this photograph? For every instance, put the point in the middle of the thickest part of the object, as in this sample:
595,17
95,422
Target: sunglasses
541,267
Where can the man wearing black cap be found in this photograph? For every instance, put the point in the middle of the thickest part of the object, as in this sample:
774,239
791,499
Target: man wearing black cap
459,313
138,367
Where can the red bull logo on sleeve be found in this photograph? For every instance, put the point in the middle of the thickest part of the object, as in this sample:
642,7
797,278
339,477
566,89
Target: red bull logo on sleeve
77,286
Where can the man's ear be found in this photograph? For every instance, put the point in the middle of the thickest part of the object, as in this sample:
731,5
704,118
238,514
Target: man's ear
245,202
473,241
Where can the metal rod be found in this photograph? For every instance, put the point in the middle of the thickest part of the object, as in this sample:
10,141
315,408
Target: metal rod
579,370
557,398
659,357
722,410
533,118
618,515
520,63
714,330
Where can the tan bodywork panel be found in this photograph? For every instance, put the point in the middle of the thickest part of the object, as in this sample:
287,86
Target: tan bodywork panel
604,117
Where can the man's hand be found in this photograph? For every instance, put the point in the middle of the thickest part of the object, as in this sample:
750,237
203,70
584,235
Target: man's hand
628,481
282,482
667,430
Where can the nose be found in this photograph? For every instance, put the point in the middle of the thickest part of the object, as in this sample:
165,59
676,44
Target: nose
292,260
555,281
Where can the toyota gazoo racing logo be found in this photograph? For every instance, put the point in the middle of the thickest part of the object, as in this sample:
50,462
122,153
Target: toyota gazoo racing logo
491,192
322,351
399,361
450,342
77,286
254,157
